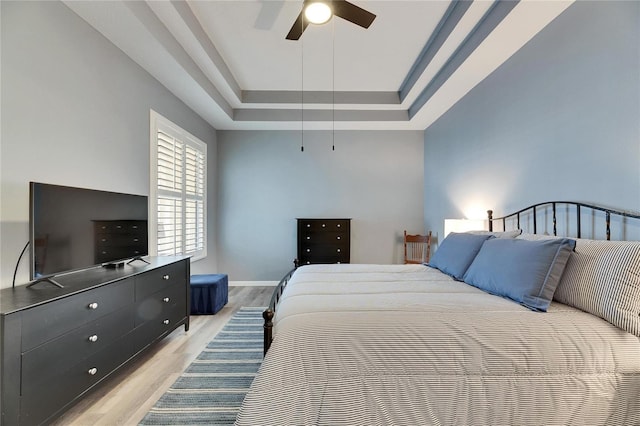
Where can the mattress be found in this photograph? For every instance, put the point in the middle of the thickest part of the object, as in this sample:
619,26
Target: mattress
408,345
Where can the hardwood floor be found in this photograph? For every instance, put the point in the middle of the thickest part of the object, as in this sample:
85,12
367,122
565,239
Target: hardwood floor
125,398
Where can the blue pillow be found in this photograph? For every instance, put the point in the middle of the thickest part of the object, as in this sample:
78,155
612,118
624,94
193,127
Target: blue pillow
525,271
456,252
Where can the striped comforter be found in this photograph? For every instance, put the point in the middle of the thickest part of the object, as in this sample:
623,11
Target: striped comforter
407,345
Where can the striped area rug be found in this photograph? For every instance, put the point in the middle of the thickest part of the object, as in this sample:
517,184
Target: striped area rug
212,388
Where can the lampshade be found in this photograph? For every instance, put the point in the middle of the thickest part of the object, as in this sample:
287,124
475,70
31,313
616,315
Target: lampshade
463,225
318,12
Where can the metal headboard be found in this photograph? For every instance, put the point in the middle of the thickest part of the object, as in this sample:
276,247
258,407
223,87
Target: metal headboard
578,206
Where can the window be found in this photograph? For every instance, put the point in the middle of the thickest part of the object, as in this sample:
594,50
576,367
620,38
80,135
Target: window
178,191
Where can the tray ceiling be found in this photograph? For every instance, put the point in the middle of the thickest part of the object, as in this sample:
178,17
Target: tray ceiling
230,62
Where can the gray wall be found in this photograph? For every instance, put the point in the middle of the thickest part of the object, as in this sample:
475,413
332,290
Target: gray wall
75,111
559,120
266,182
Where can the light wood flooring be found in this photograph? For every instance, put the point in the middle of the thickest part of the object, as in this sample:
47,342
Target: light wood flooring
125,398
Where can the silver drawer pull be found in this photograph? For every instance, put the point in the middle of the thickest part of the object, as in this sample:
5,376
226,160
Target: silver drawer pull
308,238
93,305
166,300
165,322
308,250
323,225
93,338
308,225
92,371
338,250
338,237
165,277
338,225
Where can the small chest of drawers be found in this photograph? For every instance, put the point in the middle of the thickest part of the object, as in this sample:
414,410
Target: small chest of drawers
324,241
119,239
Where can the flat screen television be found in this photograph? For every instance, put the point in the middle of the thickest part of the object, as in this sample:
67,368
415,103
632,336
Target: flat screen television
75,228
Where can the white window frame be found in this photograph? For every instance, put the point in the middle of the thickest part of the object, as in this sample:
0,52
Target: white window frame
159,123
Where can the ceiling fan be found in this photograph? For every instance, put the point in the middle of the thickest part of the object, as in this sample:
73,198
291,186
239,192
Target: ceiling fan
326,9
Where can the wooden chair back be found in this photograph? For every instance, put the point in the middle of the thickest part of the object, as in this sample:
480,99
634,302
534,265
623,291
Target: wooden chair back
417,248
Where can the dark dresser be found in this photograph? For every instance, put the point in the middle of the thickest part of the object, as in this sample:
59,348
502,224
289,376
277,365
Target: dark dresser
324,241
57,343
119,239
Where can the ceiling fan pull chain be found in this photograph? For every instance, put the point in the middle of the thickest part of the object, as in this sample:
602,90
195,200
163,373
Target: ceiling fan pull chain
302,92
333,85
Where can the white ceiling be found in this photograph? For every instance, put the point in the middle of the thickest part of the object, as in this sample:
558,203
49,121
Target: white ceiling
230,62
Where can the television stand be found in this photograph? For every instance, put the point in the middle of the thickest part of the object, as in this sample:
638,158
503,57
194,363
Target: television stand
48,280
58,344
137,258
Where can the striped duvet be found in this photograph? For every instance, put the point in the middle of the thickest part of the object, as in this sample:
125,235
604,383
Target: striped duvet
407,345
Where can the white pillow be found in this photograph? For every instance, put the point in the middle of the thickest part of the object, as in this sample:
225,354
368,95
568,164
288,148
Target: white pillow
603,278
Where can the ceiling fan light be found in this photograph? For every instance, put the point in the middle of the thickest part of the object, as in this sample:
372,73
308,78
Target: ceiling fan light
318,12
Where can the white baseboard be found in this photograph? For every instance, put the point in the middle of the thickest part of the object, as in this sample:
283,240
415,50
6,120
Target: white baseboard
253,283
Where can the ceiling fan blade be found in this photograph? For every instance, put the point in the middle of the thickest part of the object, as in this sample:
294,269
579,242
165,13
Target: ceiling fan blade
298,27
352,13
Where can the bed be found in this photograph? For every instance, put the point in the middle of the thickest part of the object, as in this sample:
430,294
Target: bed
360,344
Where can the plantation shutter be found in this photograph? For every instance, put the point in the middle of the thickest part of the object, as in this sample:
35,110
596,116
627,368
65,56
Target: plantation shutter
180,191
194,209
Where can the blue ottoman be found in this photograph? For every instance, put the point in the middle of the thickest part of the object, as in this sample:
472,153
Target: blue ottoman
209,293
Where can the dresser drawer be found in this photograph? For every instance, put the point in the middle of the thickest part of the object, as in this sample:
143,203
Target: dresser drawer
324,255
43,363
158,279
117,240
158,304
310,246
109,254
52,395
323,225
43,323
334,237
149,331
309,260
138,227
